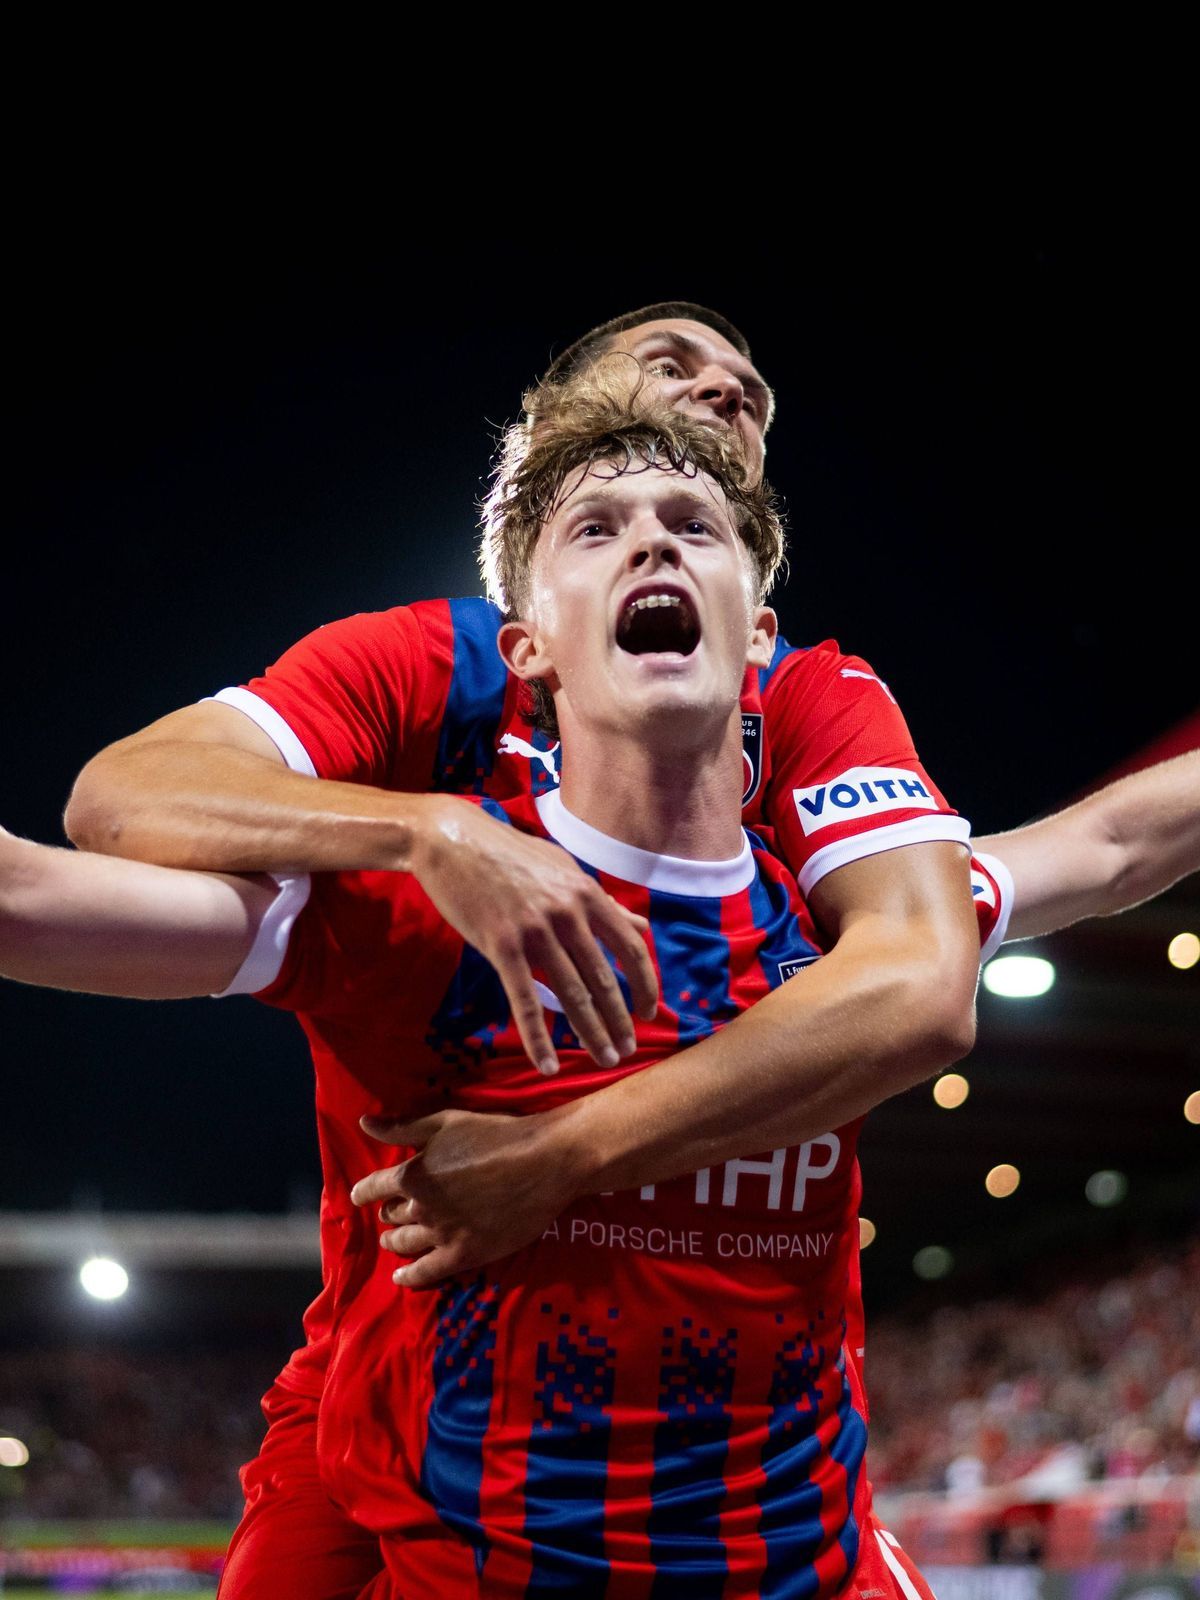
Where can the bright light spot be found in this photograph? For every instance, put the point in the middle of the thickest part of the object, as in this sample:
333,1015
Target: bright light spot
1184,951
1002,1181
1018,977
951,1090
104,1279
1191,1107
932,1262
866,1232
1106,1188
12,1452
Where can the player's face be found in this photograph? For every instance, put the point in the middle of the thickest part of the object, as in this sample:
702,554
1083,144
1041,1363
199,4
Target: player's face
696,370
643,607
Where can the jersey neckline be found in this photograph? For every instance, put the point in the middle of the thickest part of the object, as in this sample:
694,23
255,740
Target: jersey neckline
668,874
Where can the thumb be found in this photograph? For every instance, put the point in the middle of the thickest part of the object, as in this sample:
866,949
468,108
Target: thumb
389,1131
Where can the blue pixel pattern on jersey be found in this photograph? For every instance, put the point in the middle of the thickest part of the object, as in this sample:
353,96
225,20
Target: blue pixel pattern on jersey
567,1463
463,1373
691,1445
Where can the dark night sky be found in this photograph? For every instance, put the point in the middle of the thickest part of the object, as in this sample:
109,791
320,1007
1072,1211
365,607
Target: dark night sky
986,447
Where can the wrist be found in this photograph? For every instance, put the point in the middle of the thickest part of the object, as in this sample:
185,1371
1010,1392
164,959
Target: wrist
572,1148
434,825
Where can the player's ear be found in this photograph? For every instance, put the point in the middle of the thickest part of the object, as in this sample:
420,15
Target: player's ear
762,637
522,652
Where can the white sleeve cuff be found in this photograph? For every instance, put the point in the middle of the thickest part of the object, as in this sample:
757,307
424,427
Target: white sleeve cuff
918,830
272,724
1004,882
264,961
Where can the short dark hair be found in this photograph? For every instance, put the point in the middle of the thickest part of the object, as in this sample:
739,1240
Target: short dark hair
596,339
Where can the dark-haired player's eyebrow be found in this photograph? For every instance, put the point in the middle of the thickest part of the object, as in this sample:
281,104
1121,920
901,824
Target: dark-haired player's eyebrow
691,349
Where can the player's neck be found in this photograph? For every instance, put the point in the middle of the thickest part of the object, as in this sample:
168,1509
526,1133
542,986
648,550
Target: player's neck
675,801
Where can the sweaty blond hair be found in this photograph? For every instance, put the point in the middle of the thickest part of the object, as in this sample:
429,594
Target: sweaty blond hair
604,413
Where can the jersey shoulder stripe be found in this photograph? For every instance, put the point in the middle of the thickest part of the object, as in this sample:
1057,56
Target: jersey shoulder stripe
474,712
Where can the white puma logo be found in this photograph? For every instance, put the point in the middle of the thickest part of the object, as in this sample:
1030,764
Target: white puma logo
511,745
853,672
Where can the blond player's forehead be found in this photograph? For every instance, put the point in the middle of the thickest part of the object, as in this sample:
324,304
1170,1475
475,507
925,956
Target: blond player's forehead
605,488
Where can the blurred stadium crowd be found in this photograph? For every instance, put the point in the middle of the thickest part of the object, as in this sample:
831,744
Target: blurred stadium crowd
1098,1381
1095,1382
119,1434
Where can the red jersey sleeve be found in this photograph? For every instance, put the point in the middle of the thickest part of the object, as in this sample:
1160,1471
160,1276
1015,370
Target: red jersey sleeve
361,699
845,778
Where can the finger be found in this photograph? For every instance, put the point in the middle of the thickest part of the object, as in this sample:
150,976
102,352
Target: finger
600,981
409,1240
430,1269
528,1015
386,1184
579,1008
624,937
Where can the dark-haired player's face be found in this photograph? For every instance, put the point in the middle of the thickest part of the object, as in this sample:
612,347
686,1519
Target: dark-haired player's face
643,611
696,370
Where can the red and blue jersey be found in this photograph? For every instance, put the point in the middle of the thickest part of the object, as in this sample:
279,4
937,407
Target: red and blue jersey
417,698
654,1397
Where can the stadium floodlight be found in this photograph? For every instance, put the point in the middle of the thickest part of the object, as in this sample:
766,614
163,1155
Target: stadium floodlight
950,1091
12,1452
1106,1188
866,1232
1018,977
934,1261
1191,1107
1002,1181
103,1278
1184,951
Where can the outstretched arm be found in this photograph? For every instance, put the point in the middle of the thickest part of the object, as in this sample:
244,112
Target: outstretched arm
891,1004
206,788
1122,845
70,920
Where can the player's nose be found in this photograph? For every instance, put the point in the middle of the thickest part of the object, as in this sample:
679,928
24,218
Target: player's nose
721,390
653,546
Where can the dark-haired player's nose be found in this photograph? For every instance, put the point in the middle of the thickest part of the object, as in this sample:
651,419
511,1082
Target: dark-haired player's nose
719,390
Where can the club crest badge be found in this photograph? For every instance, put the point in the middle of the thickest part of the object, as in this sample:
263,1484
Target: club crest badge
752,743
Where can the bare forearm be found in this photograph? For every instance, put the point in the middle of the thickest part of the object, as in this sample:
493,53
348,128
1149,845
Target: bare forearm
831,1043
1120,846
213,808
70,920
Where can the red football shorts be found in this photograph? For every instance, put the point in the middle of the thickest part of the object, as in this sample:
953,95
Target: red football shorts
292,1540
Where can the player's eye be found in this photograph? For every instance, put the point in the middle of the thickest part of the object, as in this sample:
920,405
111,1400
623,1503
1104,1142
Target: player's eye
664,367
695,527
591,530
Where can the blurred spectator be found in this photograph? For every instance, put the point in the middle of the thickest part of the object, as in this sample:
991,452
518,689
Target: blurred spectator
113,1434
1093,1382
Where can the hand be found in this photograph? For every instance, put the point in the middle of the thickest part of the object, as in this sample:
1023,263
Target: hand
480,1187
523,903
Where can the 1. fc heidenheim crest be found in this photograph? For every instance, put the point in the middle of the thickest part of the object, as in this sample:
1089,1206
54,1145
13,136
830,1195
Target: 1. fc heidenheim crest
752,753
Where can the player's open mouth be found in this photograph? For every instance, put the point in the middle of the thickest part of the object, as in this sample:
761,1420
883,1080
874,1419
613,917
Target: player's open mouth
657,623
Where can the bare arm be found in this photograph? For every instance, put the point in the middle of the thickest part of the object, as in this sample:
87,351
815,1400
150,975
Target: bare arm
206,788
76,921
1122,845
891,1004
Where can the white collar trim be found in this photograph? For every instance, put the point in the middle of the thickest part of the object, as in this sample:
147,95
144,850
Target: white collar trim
670,874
